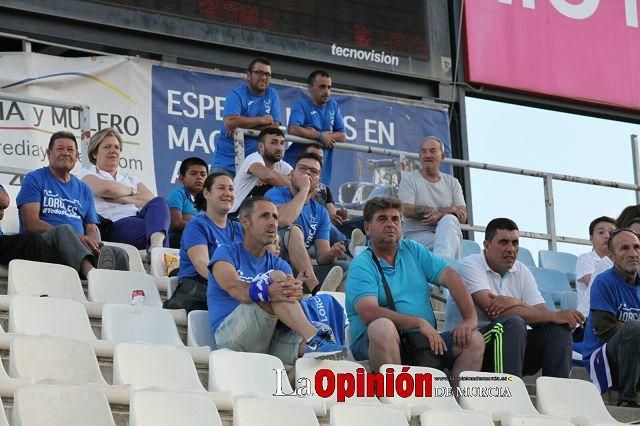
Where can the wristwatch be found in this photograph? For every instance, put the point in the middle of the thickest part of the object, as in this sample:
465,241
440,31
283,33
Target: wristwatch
133,191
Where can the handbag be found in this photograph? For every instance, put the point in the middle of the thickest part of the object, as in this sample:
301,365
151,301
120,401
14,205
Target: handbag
190,295
415,348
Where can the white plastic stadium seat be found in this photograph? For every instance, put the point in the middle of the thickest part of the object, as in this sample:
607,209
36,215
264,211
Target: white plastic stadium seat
166,367
139,324
108,286
158,268
64,360
538,421
199,329
453,418
354,414
576,400
255,374
44,279
58,405
272,412
501,406
172,285
3,416
135,261
442,398
158,408
48,316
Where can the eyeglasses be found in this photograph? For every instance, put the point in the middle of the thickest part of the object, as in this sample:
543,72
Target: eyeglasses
261,74
309,170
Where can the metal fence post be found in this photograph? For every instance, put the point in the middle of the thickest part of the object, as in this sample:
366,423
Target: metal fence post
238,147
636,164
85,135
549,212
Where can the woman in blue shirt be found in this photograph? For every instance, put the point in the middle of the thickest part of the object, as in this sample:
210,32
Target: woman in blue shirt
204,233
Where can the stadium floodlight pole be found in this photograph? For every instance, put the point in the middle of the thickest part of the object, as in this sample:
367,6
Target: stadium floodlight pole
636,164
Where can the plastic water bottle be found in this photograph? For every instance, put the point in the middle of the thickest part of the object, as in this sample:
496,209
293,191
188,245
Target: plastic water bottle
137,297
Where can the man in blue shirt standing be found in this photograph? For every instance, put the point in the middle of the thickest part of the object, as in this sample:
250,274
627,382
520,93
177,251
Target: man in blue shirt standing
51,198
317,117
612,333
253,105
408,268
253,298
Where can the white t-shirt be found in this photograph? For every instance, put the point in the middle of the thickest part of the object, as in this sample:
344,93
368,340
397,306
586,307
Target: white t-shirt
108,209
602,265
585,265
518,283
244,181
415,189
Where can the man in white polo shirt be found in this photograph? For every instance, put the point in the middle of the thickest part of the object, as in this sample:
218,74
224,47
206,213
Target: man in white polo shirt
507,300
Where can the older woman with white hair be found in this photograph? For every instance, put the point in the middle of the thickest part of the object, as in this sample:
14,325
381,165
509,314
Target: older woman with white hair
138,217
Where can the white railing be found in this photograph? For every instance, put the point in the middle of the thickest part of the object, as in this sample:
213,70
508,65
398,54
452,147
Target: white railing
550,236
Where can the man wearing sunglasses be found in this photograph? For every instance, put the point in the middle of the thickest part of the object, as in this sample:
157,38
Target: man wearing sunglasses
254,105
297,207
612,333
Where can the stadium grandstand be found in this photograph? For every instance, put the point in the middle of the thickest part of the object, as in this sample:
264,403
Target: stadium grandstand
188,187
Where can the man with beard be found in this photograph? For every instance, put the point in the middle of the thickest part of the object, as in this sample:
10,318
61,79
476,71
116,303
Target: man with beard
254,105
262,170
317,117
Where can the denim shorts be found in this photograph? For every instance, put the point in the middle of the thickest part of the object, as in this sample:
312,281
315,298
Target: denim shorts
360,348
249,328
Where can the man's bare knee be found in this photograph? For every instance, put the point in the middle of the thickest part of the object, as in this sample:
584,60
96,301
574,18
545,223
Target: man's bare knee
382,331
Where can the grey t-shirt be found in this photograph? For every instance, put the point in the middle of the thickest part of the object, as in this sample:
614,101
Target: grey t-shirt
415,189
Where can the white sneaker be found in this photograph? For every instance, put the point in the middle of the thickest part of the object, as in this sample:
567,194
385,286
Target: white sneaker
358,239
333,279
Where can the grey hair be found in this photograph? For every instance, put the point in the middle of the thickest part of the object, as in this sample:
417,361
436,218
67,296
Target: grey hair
97,138
437,139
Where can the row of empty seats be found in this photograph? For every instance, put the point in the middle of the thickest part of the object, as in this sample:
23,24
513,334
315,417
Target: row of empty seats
234,376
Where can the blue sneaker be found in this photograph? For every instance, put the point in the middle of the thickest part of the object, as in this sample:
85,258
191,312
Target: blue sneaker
322,347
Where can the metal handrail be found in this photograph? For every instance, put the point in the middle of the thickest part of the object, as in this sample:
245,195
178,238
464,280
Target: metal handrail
548,177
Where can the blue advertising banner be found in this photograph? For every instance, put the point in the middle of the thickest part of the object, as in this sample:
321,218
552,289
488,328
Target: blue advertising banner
187,112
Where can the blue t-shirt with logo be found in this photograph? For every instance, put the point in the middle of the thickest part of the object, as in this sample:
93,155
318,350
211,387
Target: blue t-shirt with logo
314,218
610,293
247,266
60,202
240,101
326,118
202,231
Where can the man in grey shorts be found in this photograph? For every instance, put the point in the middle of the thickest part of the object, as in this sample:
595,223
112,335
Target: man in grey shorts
253,298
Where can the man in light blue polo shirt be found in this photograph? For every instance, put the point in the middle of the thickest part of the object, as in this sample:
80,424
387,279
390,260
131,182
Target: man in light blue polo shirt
253,105
317,117
408,267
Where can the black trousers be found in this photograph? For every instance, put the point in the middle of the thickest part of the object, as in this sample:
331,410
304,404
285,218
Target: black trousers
29,246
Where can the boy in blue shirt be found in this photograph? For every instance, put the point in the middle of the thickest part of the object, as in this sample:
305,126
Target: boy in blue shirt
253,105
193,172
319,118
253,299
612,333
